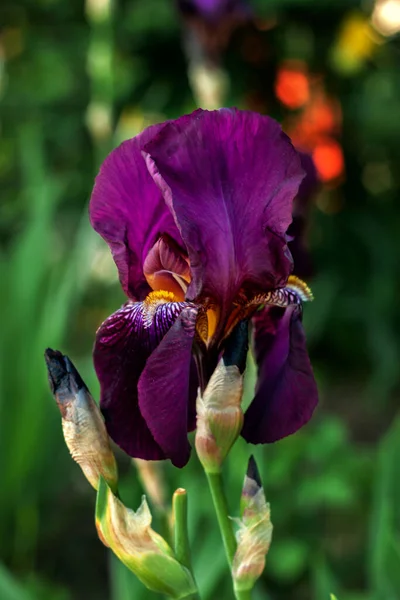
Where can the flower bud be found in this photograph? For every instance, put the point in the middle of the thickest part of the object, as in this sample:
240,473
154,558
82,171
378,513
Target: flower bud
82,423
219,416
219,412
254,534
139,547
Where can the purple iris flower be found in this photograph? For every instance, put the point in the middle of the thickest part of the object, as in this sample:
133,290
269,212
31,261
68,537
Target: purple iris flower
195,212
209,25
213,10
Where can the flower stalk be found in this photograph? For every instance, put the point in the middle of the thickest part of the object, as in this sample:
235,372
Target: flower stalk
100,57
221,509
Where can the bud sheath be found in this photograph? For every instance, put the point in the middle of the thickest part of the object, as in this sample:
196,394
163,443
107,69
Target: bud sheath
139,547
83,426
219,416
219,412
254,534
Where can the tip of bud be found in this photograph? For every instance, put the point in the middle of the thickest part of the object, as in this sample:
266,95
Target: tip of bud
255,531
237,346
253,472
63,376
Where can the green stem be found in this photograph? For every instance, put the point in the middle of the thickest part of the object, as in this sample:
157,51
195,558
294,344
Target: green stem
221,509
181,537
243,594
100,67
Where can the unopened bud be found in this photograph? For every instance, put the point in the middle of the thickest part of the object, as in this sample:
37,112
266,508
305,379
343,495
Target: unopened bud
219,416
82,423
139,547
254,534
219,412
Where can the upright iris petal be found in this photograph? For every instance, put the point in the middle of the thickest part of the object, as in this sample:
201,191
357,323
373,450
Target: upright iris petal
196,213
229,178
297,232
129,212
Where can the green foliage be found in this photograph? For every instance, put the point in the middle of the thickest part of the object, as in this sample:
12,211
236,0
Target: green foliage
384,565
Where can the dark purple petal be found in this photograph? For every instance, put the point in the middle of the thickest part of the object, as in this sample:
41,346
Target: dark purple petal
194,386
128,211
164,388
123,346
297,232
286,392
310,184
229,177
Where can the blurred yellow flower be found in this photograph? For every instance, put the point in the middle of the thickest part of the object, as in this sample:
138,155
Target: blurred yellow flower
357,41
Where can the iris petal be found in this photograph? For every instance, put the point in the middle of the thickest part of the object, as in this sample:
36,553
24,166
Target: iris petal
229,178
124,344
128,211
302,208
286,392
164,388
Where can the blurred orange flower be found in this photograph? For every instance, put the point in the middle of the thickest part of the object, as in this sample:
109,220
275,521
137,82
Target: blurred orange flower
316,129
328,159
292,84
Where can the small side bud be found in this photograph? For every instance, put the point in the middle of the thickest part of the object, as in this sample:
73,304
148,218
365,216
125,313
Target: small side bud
83,426
139,547
219,412
254,534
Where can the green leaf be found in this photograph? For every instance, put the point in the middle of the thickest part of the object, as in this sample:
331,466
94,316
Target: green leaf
10,589
384,554
287,558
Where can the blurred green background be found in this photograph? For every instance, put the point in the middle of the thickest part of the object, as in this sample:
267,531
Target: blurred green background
75,79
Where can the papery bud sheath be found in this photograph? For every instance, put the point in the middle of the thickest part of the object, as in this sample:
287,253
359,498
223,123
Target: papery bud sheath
254,534
219,412
139,547
82,423
219,416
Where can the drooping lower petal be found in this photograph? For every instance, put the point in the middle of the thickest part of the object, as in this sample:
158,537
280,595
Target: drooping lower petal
124,344
128,211
286,392
164,388
229,177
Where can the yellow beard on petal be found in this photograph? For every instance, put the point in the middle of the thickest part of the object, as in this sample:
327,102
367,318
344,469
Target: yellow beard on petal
159,297
153,301
298,285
